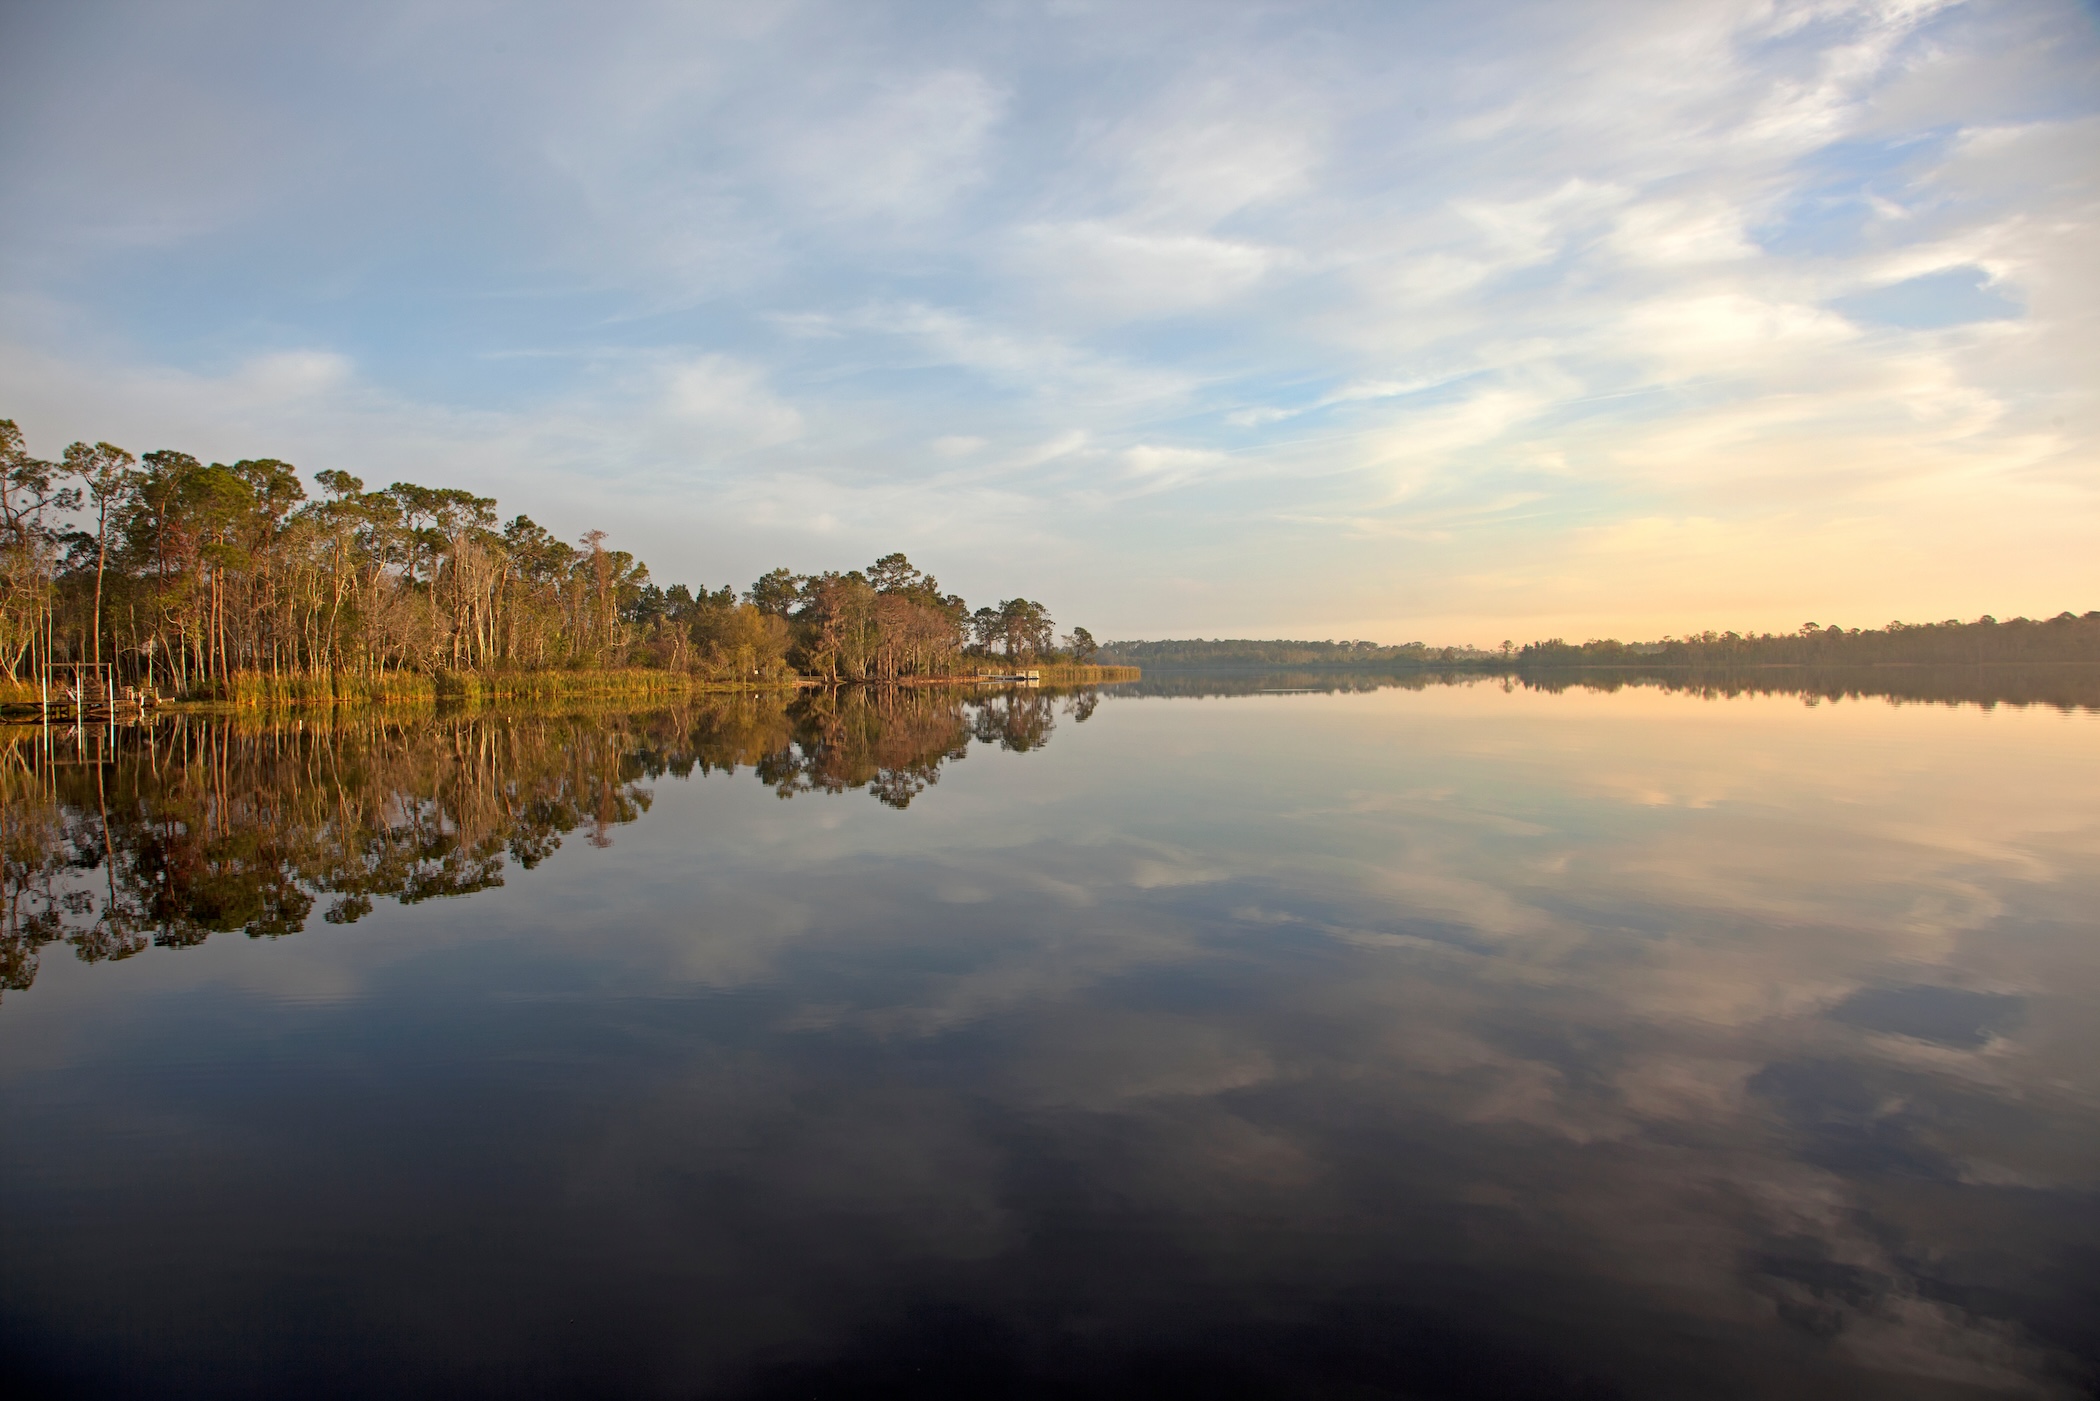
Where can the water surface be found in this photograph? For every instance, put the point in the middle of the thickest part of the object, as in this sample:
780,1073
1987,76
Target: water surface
1461,1040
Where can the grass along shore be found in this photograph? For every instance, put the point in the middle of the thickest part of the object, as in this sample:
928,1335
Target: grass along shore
261,690
1067,674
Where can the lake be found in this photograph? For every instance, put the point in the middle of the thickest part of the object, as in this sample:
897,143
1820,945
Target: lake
1232,1036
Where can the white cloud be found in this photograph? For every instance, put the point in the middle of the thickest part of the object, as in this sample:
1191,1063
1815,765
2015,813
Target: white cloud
729,402
294,374
905,153
1729,331
1128,273
1220,139
1040,363
1162,467
1522,232
1678,232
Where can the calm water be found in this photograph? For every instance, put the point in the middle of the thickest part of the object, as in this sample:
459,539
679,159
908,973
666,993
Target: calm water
1446,1041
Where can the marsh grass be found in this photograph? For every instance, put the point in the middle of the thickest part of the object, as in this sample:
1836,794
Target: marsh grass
393,688
1070,673
264,691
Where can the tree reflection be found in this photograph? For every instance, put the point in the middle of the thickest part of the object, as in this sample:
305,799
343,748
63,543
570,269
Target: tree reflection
2066,687
163,835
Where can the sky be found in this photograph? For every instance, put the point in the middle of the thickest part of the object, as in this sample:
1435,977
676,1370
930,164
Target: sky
1397,321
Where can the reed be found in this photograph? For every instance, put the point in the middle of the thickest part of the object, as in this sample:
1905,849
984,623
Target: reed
266,691
262,690
1066,673
1077,674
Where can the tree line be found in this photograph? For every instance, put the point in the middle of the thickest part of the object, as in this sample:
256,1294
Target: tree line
1252,652
2067,637
187,575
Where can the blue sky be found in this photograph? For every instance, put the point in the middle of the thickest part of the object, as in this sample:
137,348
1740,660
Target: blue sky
1454,322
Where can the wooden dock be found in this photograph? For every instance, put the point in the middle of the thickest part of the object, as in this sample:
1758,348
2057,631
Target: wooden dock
82,693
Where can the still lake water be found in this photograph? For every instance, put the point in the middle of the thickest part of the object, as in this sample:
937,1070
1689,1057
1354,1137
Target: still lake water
1439,1041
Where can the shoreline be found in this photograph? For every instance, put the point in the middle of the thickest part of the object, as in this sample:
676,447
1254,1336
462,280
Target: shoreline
419,689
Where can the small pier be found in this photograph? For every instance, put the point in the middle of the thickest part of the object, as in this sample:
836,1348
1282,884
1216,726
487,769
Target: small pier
82,694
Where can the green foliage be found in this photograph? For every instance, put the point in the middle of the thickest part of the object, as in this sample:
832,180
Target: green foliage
890,622
227,582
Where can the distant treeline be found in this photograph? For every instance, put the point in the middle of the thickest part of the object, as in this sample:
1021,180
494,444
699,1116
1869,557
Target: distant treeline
1240,651
2067,637
198,578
